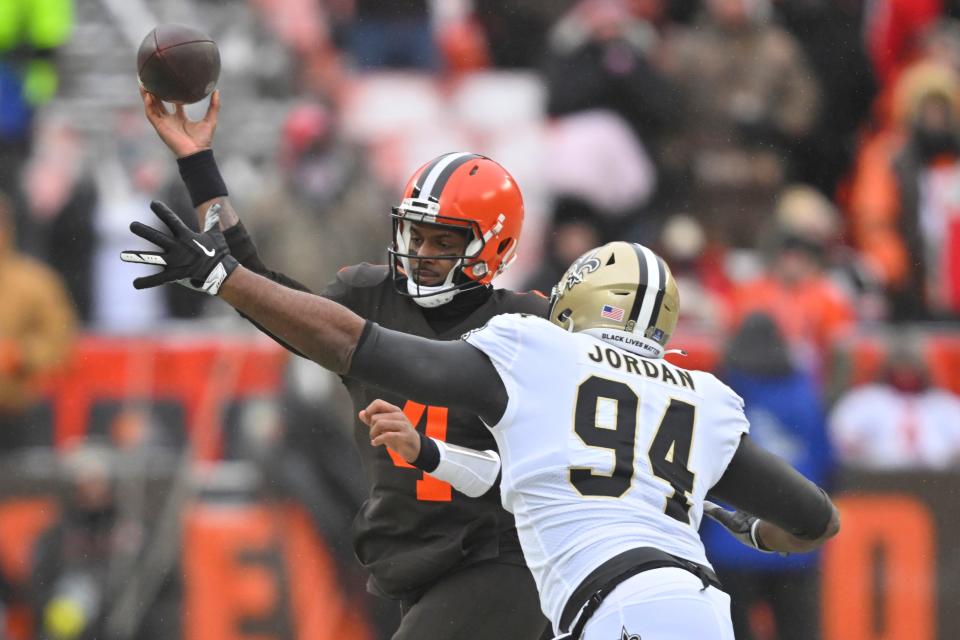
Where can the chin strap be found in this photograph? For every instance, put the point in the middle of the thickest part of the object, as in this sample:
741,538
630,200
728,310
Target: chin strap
437,295
424,297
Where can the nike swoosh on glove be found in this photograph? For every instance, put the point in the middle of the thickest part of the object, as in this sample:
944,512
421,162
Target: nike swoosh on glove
200,261
742,525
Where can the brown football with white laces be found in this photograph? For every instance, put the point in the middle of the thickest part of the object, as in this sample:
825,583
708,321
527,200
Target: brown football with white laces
178,63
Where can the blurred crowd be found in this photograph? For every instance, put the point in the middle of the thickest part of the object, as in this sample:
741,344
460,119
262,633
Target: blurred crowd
797,163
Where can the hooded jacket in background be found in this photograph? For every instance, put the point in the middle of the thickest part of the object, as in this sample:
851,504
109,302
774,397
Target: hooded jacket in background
37,324
783,404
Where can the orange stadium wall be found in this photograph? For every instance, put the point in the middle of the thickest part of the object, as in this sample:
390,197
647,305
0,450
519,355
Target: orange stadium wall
228,595
246,568
199,376
250,572
893,572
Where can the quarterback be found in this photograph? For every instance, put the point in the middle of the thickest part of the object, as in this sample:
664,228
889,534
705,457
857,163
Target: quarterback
429,547
608,452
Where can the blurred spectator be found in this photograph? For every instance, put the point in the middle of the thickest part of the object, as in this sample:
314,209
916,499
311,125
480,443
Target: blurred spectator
62,197
321,193
831,34
600,56
70,559
30,34
941,42
574,230
36,332
127,180
75,582
796,289
939,46
516,30
901,421
904,202
750,96
461,39
305,28
893,30
783,404
805,211
395,35
700,272
595,157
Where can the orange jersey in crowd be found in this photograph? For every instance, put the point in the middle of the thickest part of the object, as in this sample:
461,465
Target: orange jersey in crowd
814,311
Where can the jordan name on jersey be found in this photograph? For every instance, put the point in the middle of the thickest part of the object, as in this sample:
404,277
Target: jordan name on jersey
656,369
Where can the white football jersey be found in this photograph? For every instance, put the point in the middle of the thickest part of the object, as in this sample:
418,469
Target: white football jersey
603,451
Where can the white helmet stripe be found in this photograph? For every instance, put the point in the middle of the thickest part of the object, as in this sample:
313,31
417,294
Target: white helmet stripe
650,289
437,170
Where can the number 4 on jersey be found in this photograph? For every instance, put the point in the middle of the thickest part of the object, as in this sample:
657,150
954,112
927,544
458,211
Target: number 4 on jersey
670,454
428,488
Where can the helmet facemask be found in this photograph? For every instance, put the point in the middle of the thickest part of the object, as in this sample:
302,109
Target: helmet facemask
403,259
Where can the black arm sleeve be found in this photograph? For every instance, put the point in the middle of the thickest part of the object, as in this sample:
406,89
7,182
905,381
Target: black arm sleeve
450,373
242,248
764,485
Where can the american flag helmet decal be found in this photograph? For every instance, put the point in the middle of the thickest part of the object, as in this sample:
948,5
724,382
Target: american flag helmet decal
611,312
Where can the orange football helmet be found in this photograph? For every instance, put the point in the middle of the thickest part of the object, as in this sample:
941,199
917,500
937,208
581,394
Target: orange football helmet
463,191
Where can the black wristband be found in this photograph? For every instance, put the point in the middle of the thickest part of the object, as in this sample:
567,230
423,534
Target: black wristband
429,457
201,176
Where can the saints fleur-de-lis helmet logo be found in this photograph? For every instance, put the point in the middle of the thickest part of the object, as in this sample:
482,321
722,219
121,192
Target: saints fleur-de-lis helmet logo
624,635
587,263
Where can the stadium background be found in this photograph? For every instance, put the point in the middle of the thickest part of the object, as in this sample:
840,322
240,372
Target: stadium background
176,475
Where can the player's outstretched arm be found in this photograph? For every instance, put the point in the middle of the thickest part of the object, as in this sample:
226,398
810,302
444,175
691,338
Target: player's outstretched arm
778,509
470,472
449,373
766,536
781,540
320,329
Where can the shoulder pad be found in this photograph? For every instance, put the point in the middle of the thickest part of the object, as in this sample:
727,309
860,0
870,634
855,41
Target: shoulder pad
363,274
725,391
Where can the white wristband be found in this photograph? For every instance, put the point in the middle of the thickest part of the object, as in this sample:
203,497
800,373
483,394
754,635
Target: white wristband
469,471
753,536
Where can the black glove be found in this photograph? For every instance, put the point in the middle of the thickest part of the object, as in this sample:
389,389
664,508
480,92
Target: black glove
742,525
200,261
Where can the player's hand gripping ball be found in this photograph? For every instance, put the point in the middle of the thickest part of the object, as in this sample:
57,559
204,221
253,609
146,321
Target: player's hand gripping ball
178,64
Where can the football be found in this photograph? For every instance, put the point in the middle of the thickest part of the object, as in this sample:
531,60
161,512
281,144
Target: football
178,63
